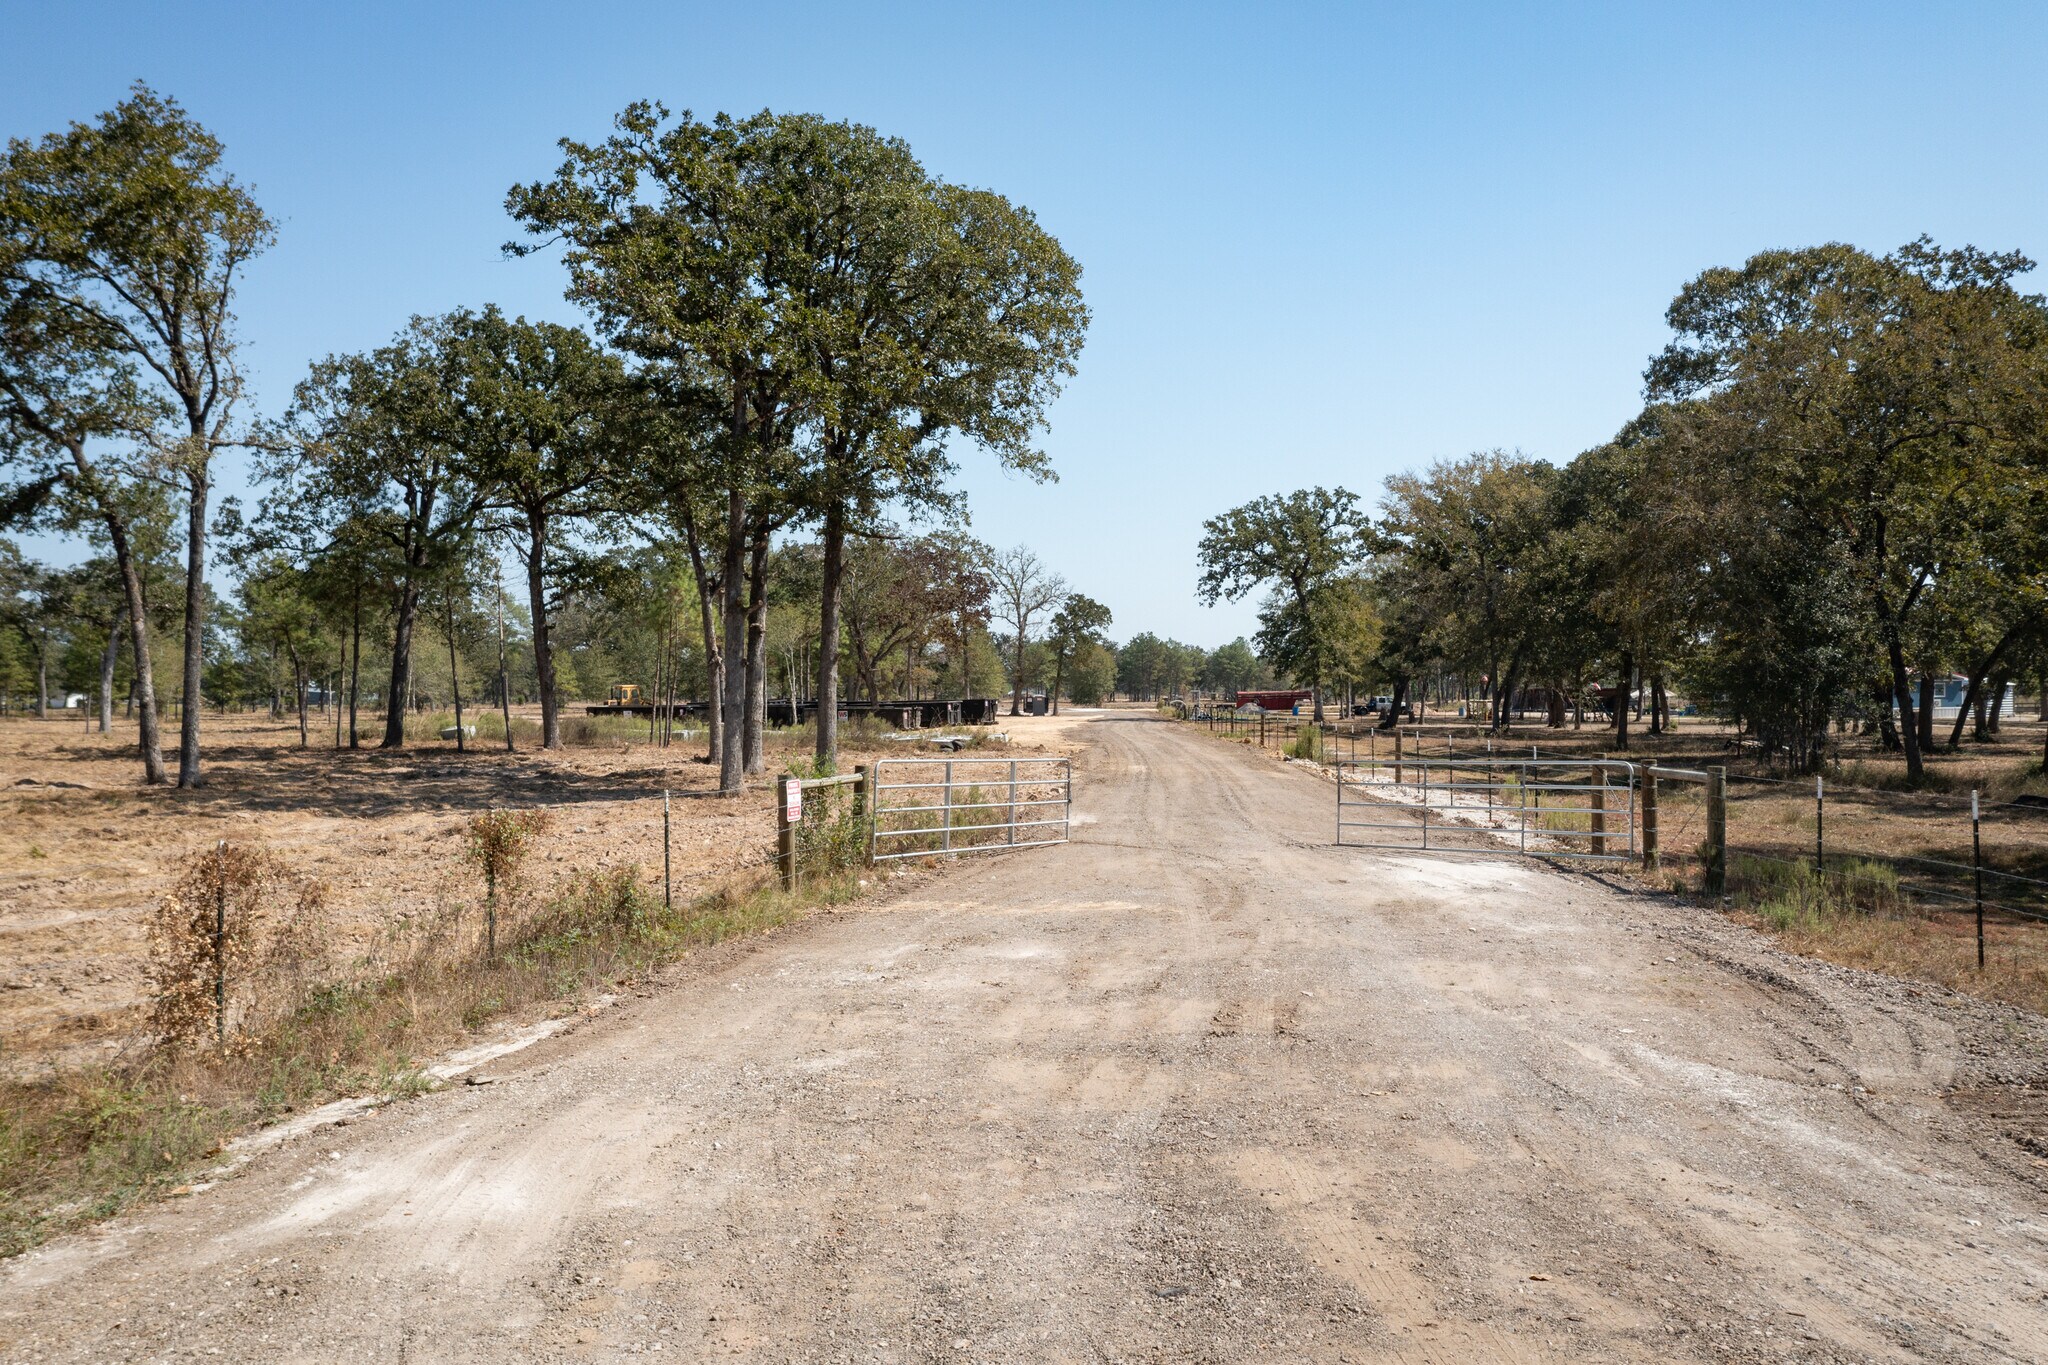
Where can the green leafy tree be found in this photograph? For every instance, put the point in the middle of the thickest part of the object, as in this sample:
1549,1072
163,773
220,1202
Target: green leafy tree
1872,399
1299,544
694,244
374,474
1091,674
124,243
1080,621
535,411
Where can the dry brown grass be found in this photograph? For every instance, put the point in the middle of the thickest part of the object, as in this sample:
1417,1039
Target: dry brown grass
85,850
1943,953
79,1145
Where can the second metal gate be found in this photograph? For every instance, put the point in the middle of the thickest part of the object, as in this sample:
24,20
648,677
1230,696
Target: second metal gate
938,807
1550,808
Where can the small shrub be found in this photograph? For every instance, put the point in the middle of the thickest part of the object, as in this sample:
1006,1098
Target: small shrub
499,841
1308,743
205,958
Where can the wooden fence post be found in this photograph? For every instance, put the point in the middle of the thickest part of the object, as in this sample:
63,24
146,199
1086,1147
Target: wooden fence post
1596,822
1649,821
785,829
1397,757
1716,880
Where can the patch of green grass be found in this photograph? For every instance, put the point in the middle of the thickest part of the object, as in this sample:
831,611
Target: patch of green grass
86,1146
1307,743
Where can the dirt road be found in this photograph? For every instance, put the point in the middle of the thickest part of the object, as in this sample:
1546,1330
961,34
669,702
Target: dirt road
1197,1087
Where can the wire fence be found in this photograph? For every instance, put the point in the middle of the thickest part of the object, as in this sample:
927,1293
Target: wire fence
1866,849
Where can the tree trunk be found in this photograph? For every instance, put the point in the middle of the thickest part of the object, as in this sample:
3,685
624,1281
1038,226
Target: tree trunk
355,665
195,630
43,680
828,637
455,672
1059,677
1996,708
1016,670
504,675
707,592
109,657
1925,720
299,690
150,742
1902,694
1658,720
757,653
399,698
1887,720
1394,705
543,642
1621,699
732,757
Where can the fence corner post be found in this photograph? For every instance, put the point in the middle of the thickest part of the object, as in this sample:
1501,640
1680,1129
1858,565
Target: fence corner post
785,833
865,796
1716,880
1650,820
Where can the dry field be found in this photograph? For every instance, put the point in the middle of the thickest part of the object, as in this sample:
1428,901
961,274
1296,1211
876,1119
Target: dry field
86,851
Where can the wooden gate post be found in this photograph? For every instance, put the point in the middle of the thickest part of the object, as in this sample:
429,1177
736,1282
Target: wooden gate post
1597,823
1716,880
1649,821
785,832
1397,757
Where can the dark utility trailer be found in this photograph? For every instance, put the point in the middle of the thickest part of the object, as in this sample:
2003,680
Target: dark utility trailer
903,715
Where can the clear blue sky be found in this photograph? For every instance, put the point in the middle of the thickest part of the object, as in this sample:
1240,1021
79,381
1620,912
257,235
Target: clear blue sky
1322,244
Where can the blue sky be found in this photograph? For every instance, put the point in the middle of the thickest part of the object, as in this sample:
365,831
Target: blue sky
1322,243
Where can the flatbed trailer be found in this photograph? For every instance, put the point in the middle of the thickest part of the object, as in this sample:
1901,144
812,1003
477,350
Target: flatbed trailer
903,715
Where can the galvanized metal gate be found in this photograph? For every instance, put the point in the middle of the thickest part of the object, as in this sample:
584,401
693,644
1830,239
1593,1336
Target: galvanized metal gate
939,807
1550,808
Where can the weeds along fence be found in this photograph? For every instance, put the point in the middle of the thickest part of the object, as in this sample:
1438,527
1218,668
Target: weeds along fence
1801,845
821,825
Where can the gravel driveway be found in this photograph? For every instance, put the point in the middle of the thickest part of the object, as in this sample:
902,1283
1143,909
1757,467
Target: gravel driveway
1196,1087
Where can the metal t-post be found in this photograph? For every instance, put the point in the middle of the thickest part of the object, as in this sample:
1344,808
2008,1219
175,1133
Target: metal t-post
871,804
1977,871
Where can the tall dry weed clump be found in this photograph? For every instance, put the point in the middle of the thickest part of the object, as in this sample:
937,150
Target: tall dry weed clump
499,841
236,944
